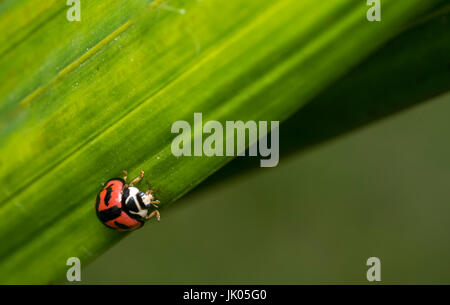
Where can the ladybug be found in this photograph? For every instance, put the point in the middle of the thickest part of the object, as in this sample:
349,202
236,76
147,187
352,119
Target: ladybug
122,206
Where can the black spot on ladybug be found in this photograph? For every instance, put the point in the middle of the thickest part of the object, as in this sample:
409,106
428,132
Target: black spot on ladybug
108,194
125,195
109,214
122,226
131,205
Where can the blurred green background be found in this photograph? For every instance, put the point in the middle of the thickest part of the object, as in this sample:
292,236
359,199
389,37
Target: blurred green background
382,190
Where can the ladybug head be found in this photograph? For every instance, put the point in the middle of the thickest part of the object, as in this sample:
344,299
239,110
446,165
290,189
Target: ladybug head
137,203
146,198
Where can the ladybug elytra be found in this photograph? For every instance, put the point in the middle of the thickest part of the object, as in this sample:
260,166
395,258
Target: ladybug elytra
122,206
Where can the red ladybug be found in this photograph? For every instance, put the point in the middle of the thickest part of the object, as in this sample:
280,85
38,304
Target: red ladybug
122,206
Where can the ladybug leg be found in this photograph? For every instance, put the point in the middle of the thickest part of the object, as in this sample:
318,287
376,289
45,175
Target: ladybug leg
155,212
136,180
155,203
125,176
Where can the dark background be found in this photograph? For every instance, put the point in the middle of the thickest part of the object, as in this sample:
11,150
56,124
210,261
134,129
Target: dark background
382,190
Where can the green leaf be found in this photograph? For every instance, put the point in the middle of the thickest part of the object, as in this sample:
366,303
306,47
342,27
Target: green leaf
81,101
